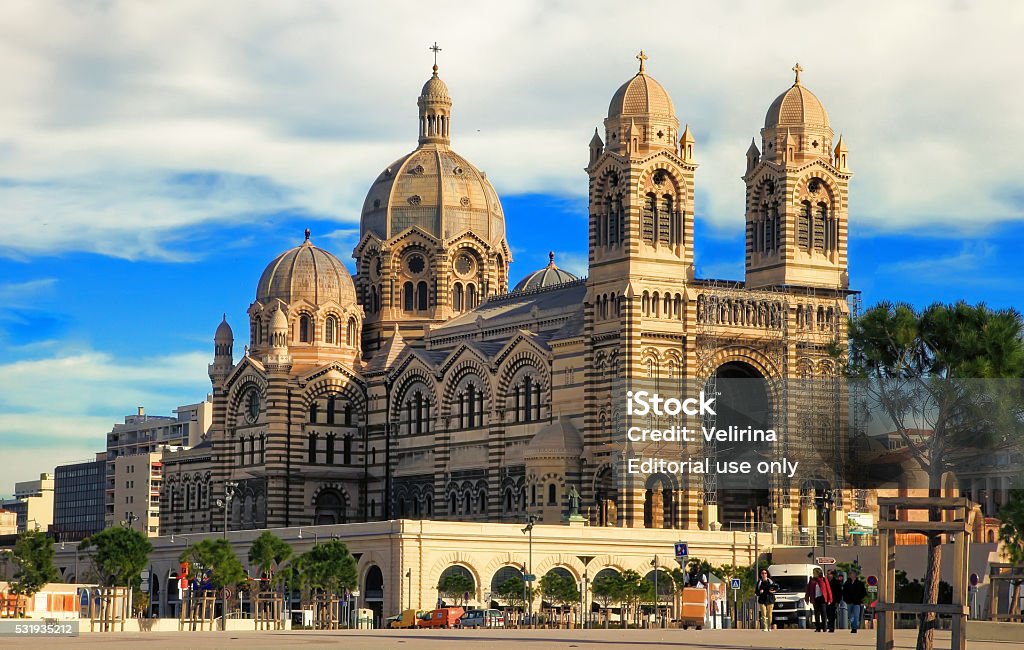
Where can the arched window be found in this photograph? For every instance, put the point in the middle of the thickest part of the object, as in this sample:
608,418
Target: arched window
415,411
257,331
803,229
470,296
457,297
665,222
647,220
350,333
347,450
330,329
407,297
330,448
451,503
312,449
819,228
482,505
551,495
305,329
330,409
421,296
528,400
374,300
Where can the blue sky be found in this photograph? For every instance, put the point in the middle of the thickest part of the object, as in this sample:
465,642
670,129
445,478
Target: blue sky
153,159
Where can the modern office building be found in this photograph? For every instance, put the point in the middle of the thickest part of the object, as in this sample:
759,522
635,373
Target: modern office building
32,503
79,499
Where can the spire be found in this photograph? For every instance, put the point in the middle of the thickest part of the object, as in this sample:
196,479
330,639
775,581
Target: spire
753,150
840,155
596,141
551,259
686,145
797,69
307,235
641,58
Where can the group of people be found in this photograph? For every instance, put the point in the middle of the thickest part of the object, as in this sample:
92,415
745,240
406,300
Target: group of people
824,594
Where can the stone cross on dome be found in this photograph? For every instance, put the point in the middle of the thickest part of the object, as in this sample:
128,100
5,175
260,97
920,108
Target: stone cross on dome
797,69
641,58
435,49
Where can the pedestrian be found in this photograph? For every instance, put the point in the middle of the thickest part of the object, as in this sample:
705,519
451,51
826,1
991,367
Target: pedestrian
835,585
765,591
854,593
820,595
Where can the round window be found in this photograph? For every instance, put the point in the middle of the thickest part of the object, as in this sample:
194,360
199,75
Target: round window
415,264
464,264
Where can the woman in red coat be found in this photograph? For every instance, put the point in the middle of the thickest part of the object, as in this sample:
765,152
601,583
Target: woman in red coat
820,595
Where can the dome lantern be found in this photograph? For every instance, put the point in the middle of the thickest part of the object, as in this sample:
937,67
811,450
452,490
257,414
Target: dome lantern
645,104
549,276
800,113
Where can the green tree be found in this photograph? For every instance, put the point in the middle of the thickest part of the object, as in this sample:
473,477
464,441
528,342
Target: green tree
328,567
217,558
453,585
1011,534
915,363
512,591
559,590
118,555
268,553
607,588
33,561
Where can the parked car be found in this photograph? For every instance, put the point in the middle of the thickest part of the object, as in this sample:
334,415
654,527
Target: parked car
445,617
482,618
407,619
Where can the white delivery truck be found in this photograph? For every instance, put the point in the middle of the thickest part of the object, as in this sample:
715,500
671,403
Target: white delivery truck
790,606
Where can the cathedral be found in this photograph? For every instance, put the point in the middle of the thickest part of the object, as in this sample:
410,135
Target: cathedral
425,387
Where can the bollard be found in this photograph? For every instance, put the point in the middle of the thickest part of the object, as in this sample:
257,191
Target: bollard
843,617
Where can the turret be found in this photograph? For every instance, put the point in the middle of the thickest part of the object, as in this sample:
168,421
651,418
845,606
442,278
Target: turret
596,147
686,145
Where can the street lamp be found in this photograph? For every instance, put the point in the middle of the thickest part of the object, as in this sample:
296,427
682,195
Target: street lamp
225,503
528,530
408,575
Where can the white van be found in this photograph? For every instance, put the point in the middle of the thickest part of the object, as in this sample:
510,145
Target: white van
789,599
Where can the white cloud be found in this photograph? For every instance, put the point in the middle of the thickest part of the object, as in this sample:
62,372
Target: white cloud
58,408
297,106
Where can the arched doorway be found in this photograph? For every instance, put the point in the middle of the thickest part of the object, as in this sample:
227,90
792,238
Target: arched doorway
508,590
456,586
329,508
373,593
742,403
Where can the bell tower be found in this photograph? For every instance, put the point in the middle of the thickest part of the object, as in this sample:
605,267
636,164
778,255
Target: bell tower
797,187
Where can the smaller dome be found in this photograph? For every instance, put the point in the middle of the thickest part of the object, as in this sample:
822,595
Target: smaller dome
548,276
306,272
279,322
224,333
561,438
798,106
434,87
641,95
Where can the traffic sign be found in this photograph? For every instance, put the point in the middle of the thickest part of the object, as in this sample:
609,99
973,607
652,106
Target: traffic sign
682,549
872,581
529,577
825,560
735,583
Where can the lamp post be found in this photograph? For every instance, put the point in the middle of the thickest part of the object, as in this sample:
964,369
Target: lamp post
528,530
408,575
654,563
225,503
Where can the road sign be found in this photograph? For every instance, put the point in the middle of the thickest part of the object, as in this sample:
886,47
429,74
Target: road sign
529,577
872,589
735,583
975,579
682,549
825,560
872,581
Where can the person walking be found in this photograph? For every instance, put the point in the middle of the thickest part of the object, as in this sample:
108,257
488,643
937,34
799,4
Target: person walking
835,585
820,595
854,593
765,591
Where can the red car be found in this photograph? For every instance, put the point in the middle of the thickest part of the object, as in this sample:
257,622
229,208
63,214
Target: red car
445,617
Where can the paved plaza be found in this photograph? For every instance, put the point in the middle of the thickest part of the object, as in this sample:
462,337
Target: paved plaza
527,639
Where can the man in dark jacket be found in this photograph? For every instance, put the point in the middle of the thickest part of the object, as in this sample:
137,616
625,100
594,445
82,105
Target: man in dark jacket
835,584
854,593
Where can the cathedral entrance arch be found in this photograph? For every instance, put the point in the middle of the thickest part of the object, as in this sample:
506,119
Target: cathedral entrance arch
373,593
743,404
329,508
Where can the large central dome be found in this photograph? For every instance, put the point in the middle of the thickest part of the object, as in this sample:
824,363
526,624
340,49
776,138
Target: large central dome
437,190
433,188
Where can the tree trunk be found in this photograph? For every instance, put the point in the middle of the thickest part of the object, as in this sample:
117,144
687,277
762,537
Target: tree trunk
930,621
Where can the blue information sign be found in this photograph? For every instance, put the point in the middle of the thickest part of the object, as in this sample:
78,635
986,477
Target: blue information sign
735,583
682,550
